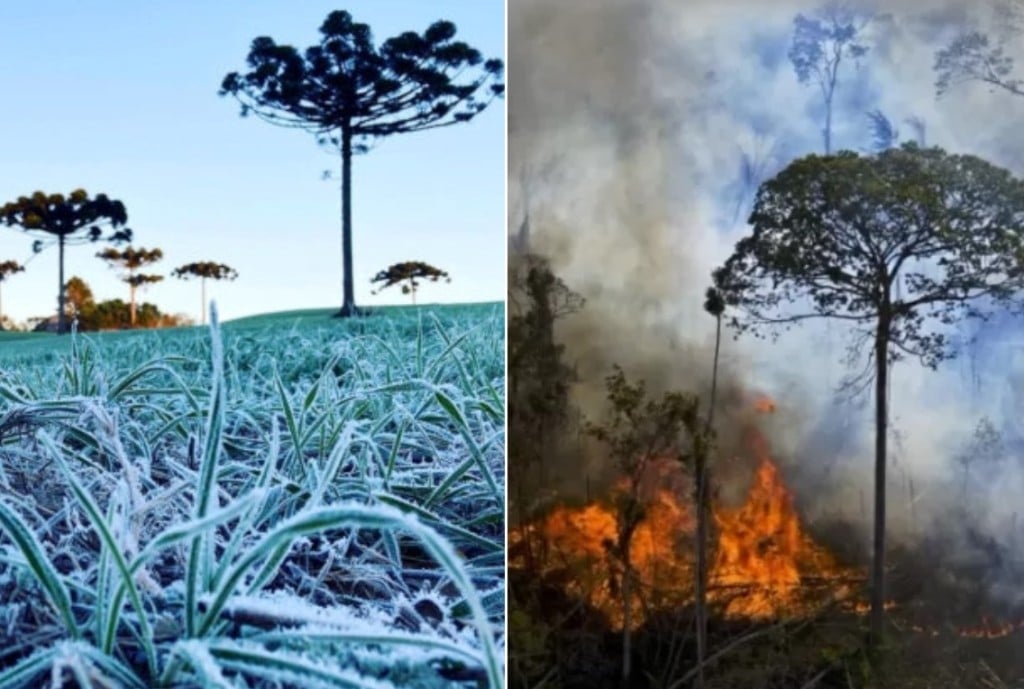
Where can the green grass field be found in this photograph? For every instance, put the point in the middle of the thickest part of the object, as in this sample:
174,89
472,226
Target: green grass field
285,500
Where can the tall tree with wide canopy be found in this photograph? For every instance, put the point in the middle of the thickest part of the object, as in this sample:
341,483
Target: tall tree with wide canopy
7,269
900,245
129,261
205,270
347,92
72,219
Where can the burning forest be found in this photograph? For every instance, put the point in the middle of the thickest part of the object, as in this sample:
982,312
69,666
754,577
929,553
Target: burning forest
719,199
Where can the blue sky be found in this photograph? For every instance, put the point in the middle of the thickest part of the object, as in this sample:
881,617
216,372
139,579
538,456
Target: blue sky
121,97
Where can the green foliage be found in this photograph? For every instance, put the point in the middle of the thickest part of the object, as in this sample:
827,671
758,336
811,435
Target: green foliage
130,259
9,268
411,82
205,269
67,216
917,235
819,44
410,273
113,314
639,428
539,377
70,219
79,294
973,57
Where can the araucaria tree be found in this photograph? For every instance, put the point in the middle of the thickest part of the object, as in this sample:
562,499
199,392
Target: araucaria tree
204,270
408,274
72,219
129,261
820,45
7,269
900,245
348,92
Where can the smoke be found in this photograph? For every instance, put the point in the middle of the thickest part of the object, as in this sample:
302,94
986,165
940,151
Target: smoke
638,132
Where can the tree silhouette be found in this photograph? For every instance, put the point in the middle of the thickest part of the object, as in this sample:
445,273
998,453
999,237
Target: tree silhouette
204,270
71,219
129,261
7,269
974,57
347,92
900,245
410,273
819,47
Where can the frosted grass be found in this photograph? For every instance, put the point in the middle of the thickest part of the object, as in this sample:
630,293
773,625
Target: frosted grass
288,504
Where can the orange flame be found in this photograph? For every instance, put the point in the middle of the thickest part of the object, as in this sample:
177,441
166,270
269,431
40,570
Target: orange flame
763,557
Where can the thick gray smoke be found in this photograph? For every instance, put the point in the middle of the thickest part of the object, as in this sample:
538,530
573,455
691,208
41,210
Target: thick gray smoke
631,123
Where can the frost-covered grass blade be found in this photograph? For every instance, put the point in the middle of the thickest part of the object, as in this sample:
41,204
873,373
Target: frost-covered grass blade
268,503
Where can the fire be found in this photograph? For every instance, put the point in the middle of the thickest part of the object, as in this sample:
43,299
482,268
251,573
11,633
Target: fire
764,563
989,629
763,552
763,556
582,544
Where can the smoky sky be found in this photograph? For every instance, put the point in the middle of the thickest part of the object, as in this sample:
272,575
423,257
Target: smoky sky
638,132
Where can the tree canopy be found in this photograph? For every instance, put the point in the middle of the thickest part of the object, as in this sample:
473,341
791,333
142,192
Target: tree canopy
973,56
347,91
411,82
408,274
204,270
923,236
820,43
74,218
9,268
130,260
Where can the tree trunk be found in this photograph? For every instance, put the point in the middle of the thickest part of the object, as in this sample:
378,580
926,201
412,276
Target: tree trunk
881,421
703,447
828,127
202,299
131,297
60,287
348,306
627,619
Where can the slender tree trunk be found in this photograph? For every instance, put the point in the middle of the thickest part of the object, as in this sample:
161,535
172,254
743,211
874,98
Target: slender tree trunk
131,293
1,309
348,306
881,421
202,298
60,287
704,446
627,617
828,127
